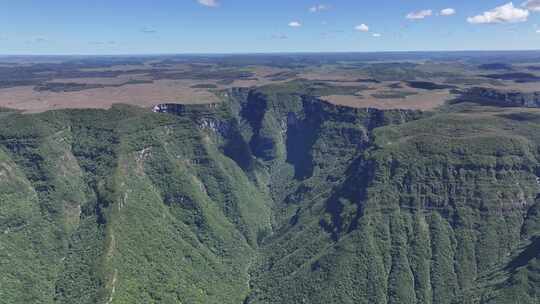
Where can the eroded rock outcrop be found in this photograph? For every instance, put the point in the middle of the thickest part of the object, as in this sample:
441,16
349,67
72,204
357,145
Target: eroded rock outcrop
510,98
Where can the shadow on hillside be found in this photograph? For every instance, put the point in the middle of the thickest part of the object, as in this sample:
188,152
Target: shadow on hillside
531,251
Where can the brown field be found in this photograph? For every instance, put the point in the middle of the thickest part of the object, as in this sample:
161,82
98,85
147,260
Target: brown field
28,100
144,95
100,80
423,101
331,74
510,85
118,68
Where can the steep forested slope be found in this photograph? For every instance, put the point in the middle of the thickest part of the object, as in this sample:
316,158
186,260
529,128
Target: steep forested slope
272,196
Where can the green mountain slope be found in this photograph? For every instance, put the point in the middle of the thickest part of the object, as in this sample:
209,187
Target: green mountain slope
272,196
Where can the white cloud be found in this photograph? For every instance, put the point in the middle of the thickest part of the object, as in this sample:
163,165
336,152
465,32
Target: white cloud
447,12
209,3
376,35
538,31
503,14
295,24
319,8
280,36
148,30
533,5
38,39
110,42
362,28
419,14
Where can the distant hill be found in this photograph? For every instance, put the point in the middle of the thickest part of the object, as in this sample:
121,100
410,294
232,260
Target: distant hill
495,66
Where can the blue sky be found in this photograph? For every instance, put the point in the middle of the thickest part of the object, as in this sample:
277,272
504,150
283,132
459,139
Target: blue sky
247,26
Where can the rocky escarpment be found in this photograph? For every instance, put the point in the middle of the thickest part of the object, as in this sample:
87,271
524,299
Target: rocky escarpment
502,98
420,212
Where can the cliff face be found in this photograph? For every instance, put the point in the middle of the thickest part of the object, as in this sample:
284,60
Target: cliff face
270,197
502,98
418,211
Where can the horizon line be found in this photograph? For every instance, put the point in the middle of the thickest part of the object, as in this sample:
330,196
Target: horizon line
264,53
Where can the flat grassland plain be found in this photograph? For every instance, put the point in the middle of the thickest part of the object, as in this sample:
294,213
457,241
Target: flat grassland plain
421,81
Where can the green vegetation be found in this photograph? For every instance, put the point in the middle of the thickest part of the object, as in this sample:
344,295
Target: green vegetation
272,196
427,85
59,87
519,77
393,94
204,86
